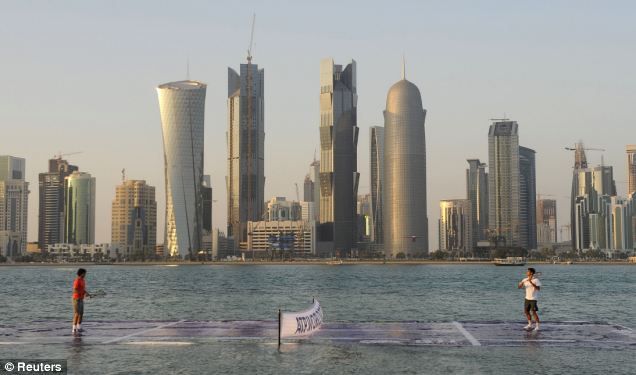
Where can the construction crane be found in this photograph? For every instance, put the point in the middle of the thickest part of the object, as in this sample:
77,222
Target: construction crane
580,161
59,154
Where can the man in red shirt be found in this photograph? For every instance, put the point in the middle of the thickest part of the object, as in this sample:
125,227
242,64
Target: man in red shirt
79,292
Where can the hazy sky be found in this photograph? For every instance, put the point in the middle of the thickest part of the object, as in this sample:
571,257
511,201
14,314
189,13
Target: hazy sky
81,76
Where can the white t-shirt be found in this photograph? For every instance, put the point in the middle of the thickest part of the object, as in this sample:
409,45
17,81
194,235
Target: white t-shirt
531,292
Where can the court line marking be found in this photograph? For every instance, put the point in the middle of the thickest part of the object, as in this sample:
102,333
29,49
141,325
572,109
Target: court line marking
142,332
466,334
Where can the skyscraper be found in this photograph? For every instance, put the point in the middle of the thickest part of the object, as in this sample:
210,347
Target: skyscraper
134,220
182,107
314,174
245,150
546,221
14,201
51,211
338,158
377,177
455,226
477,194
527,198
631,169
308,189
79,199
405,210
503,182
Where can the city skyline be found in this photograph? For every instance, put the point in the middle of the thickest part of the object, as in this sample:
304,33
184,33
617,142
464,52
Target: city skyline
589,95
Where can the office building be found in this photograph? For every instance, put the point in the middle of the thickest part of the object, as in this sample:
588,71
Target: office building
631,169
14,202
404,209
503,183
182,108
134,220
245,150
280,209
79,200
477,194
546,222
338,158
455,232
51,204
527,198
377,176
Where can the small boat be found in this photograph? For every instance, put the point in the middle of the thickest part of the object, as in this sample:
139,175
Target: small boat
334,262
510,261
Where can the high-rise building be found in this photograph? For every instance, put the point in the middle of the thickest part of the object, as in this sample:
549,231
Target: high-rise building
546,222
592,191
455,226
51,211
308,189
631,169
14,201
134,220
364,218
503,182
182,107
377,177
79,199
338,158
404,210
314,174
477,194
245,150
527,198
207,202
280,209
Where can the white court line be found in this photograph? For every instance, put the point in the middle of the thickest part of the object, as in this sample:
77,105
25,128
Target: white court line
466,334
142,332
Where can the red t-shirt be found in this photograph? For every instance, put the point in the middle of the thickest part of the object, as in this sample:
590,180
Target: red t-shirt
80,286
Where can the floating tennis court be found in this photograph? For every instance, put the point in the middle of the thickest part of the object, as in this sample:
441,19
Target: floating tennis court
453,334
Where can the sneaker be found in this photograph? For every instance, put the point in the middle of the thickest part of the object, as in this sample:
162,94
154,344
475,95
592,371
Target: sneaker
536,328
528,327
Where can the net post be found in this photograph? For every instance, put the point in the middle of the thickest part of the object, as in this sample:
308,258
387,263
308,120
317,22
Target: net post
279,326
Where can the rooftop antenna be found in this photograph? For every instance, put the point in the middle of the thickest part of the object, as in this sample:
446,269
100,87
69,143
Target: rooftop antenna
403,67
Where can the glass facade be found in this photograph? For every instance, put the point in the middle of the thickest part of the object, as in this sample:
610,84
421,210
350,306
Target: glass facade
404,212
182,108
377,176
79,198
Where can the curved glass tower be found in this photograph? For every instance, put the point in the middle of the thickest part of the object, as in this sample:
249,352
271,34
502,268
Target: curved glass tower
79,197
404,202
182,106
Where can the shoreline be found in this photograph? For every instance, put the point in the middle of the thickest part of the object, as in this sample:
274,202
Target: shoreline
308,263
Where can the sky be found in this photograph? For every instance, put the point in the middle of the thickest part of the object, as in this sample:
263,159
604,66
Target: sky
81,76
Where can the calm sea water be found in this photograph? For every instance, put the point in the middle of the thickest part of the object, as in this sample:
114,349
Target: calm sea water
347,293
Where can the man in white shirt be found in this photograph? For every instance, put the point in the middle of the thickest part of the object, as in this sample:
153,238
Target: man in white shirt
533,286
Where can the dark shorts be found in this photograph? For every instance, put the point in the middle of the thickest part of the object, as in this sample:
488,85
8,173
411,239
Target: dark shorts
530,305
78,306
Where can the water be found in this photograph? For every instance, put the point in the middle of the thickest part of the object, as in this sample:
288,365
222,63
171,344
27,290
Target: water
347,293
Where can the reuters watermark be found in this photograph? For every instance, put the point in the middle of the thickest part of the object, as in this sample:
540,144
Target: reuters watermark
33,367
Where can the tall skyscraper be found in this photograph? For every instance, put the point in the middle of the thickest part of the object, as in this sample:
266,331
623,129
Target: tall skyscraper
527,198
245,150
631,169
14,201
308,189
477,194
546,222
404,209
592,189
338,158
455,226
377,177
182,107
134,220
503,182
314,174
51,211
79,199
